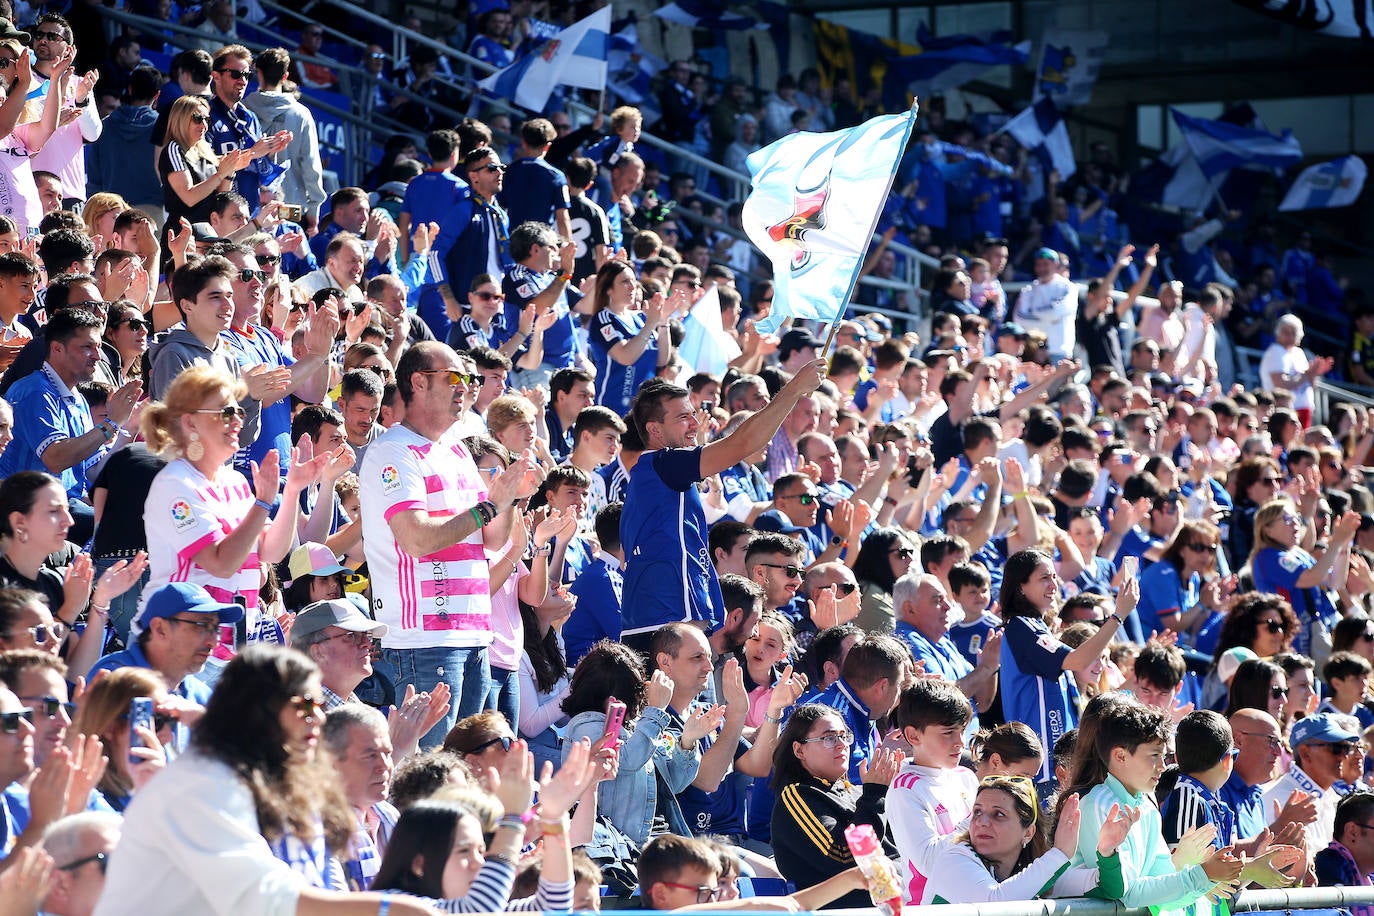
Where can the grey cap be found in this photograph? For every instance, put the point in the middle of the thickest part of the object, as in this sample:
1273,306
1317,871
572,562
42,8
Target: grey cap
336,612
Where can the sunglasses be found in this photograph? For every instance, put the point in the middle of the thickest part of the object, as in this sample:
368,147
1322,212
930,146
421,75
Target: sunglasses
505,741
49,707
493,167
9,721
1339,748
248,276
805,499
1278,693
49,36
846,588
1023,782
99,857
1273,626
268,258
789,570
1202,548
40,633
455,378
234,74
906,553
831,740
98,306
491,297
381,371
139,324
200,119
6,63
307,706
228,413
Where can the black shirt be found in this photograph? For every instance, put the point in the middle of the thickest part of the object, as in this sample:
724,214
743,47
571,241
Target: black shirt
1101,338
126,478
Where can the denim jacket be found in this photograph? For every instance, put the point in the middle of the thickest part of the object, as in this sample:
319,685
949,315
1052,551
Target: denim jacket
631,798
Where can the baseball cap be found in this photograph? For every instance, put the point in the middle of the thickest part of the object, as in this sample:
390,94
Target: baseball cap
203,232
1322,727
312,559
336,612
797,339
1231,660
185,598
1048,253
1013,329
7,30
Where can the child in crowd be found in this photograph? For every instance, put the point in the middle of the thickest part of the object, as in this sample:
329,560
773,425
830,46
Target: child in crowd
765,655
971,588
1346,674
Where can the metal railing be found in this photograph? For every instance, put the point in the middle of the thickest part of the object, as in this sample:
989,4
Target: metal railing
1303,898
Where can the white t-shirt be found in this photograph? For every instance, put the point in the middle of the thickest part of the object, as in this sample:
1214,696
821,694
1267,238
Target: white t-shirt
186,512
18,190
435,600
925,807
1287,361
1050,307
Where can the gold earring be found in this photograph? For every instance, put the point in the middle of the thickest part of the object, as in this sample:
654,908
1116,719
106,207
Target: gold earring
194,450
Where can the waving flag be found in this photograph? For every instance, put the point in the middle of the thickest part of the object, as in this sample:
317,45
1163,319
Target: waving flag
950,61
705,346
1070,61
576,56
706,14
1041,129
1220,146
1328,184
814,203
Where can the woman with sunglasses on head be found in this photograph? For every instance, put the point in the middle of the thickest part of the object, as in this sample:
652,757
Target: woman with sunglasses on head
885,555
1005,855
816,802
247,819
205,523
1280,563
189,169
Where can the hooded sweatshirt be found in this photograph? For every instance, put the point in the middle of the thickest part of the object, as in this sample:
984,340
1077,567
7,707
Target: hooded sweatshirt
303,182
179,348
109,165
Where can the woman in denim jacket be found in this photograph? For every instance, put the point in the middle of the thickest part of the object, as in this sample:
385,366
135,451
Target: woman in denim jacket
652,757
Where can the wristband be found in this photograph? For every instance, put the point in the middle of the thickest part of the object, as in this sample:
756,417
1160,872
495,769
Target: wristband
385,906
769,718
890,501
269,508
553,828
97,609
513,821
545,551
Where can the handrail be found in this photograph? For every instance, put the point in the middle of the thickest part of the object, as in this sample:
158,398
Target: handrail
1247,901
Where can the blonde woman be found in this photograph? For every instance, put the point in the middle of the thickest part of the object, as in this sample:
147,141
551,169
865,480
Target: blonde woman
189,169
99,216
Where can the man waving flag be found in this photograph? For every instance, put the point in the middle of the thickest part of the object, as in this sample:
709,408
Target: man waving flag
815,202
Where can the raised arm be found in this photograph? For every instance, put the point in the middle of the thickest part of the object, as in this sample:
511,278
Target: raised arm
756,432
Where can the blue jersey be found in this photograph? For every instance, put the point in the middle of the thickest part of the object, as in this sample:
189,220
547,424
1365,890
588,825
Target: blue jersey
969,638
668,571
1035,686
1247,803
942,658
260,347
1134,544
560,340
1163,593
597,614
1278,571
467,334
1191,804
430,195
993,555
721,811
534,191
617,384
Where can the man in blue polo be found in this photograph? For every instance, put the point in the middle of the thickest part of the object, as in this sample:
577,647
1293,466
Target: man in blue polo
536,190
174,636
867,689
924,615
668,572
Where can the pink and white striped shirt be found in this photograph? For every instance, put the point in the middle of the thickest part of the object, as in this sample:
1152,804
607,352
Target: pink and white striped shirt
437,600
185,512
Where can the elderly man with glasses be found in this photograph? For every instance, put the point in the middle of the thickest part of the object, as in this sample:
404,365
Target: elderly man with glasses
1320,744
80,845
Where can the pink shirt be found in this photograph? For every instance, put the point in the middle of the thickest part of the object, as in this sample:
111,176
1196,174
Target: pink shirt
507,628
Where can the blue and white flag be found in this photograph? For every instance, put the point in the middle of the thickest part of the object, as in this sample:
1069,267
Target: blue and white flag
1328,184
576,56
707,14
1041,129
814,203
1220,146
1070,61
949,61
705,345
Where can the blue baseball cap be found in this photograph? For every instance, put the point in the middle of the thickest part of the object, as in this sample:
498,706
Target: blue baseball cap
1326,727
185,598
1049,253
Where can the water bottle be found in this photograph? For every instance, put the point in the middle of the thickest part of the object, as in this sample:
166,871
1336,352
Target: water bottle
879,872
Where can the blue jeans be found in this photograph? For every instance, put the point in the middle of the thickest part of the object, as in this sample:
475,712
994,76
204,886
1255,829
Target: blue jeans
125,607
465,672
505,695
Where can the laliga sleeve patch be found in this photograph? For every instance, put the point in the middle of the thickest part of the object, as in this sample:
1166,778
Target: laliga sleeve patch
1290,561
391,479
1049,643
610,333
182,516
526,291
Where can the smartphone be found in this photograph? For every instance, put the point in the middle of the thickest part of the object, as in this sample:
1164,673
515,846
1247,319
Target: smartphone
1130,566
708,406
615,717
291,213
140,716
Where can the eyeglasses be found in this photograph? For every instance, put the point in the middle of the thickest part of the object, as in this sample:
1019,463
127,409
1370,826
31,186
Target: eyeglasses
805,499
846,588
905,553
248,276
705,893
234,74
268,258
1274,480
1276,626
139,324
9,721
6,63
493,167
99,858
40,633
381,371
49,36
49,707
160,720
1367,636
1202,548
831,740
455,378
228,413
200,119
789,570
1278,693
1338,748
491,297
206,627
505,741
307,706
99,306
357,639
1274,743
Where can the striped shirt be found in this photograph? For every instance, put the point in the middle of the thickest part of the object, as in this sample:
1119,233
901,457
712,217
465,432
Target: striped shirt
440,599
490,893
184,513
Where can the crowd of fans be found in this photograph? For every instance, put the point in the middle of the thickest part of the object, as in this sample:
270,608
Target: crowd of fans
383,553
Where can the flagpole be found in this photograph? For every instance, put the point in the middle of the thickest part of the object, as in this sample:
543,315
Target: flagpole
1211,183
873,227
